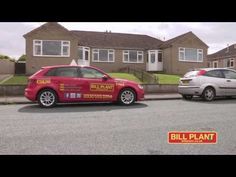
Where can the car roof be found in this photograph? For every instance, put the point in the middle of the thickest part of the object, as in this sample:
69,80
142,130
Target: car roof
209,69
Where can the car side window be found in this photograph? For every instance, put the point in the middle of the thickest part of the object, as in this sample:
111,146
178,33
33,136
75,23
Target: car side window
66,72
229,74
90,73
214,73
51,72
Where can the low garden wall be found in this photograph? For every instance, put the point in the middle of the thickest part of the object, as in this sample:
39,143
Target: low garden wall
18,90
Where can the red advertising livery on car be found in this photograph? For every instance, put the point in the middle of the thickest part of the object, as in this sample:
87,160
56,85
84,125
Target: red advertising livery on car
63,83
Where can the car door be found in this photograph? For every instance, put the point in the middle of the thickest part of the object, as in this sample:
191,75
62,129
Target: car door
95,87
230,80
65,79
215,78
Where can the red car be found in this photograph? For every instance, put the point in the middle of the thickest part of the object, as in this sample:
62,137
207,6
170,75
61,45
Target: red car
63,84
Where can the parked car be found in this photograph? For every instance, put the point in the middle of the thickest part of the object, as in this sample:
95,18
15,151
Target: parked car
208,83
63,83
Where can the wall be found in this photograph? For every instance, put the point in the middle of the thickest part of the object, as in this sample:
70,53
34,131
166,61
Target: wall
51,32
13,90
171,55
7,67
115,66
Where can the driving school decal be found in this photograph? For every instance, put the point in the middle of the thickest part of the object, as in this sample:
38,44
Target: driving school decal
97,96
43,81
192,137
101,87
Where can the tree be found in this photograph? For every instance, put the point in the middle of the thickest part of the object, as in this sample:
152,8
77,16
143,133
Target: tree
4,57
22,58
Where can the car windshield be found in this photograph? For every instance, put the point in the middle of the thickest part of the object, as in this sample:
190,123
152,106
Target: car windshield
191,74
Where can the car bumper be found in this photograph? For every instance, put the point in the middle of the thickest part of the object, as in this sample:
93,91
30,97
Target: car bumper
30,94
140,96
189,90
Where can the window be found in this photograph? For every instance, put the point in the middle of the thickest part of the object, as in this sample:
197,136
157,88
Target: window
229,63
229,74
159,56
132,56
215,64
190,55
103,55
214,73
83,53
53,48
91,73
63,72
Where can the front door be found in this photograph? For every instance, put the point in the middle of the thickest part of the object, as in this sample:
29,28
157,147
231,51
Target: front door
154,61
84,56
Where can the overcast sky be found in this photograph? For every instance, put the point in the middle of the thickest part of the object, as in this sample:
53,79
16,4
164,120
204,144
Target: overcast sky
215,35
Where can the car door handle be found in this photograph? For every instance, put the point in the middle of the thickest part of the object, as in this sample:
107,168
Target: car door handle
228,80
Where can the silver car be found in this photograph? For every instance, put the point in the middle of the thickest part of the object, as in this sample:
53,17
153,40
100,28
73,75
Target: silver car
208,83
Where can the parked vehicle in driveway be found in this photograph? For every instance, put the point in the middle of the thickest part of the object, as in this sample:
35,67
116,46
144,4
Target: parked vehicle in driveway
208,83
63,83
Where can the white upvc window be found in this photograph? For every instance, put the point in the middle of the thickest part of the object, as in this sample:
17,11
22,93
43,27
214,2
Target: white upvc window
215,64
229,63
103,55
132,56
51,48
190,54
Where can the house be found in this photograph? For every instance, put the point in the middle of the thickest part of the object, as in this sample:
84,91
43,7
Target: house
224,58
52,44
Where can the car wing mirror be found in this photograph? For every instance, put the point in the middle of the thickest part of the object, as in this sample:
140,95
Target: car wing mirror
104,77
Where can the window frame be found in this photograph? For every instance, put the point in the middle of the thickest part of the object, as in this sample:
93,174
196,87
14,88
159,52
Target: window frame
41,48
81,74
199,51
127,52
109,51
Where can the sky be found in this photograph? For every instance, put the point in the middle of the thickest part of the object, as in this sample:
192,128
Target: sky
216,35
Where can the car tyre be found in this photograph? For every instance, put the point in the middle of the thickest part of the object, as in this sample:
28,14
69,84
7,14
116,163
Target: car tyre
208,94
187,97
127,96
47,98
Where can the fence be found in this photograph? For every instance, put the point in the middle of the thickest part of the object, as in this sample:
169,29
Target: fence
144,76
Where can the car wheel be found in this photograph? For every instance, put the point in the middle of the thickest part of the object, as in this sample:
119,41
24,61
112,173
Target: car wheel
208,94
127,97
187,97
47,98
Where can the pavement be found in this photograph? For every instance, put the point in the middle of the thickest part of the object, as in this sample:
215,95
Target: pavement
148,97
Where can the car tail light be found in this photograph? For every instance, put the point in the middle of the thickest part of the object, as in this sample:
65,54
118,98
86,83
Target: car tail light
201,72
31,82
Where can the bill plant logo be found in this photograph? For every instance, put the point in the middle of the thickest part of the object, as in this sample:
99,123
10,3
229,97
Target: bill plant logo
102,87
192,137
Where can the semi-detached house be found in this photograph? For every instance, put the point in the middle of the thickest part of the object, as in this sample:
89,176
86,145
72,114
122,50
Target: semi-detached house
53,44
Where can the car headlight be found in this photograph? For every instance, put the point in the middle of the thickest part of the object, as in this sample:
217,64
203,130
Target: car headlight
140,86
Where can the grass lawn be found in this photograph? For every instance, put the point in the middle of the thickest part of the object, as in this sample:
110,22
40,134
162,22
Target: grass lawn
168,79
21,80
125,76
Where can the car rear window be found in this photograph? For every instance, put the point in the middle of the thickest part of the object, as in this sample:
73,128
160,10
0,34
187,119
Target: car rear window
191,74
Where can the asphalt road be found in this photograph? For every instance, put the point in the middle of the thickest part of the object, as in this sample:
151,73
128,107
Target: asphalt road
112,129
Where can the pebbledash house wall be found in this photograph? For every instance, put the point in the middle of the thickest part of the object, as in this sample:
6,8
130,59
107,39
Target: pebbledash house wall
34,63
171,61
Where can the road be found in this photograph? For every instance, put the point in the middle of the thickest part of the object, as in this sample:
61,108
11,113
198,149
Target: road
112,129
